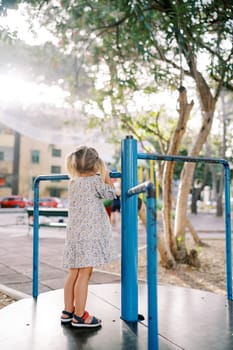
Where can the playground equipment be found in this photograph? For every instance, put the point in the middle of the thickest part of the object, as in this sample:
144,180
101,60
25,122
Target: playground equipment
129,287
129,280
129,179
129,265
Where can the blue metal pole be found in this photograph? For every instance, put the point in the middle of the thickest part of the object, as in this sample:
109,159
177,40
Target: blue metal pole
153,342
35,240
228,230
129,231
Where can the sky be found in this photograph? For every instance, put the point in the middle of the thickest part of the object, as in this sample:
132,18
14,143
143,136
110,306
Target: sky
16,21
31,108
31,101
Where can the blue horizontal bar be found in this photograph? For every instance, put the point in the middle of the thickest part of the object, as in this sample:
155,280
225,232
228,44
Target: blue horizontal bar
153,156
115,174
55,177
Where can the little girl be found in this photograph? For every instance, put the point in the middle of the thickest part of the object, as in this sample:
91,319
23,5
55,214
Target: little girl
89,241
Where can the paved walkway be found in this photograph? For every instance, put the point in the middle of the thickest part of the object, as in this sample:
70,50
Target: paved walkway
16,252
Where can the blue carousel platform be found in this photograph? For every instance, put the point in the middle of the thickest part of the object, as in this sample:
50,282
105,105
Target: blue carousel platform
188,319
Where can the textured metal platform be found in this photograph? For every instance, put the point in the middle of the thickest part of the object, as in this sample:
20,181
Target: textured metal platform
188,319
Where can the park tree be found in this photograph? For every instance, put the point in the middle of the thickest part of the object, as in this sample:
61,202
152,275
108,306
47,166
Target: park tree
145,45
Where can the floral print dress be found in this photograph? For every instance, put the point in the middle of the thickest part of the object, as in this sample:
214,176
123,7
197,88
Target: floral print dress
89,239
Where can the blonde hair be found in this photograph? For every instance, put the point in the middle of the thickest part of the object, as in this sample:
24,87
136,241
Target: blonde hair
101,168
83,159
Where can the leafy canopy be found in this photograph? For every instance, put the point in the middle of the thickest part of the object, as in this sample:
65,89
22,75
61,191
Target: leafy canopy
163,34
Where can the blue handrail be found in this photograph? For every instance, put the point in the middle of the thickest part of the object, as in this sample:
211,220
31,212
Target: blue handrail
151,156
151,228
37,181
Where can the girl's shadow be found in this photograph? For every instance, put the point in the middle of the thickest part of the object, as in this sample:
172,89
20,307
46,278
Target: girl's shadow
78,336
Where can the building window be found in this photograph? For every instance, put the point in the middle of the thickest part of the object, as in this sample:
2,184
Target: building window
35,157
1,155
56,152
55,192
55,169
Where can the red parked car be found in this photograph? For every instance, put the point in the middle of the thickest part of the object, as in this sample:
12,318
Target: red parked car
50,202
15,202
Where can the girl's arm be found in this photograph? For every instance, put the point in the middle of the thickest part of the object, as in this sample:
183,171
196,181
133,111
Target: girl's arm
105,189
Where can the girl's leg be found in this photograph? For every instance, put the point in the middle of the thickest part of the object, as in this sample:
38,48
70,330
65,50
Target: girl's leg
69,290
81,290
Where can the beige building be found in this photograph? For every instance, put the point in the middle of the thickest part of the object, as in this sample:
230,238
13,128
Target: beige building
22,159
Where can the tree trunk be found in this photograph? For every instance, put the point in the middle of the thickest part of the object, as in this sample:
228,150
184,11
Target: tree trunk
167,247
219,203
195,195
214,182
219,207
208,107
184,113
166,258
193,232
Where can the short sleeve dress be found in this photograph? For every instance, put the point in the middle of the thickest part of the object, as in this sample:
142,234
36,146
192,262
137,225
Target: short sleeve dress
89,240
